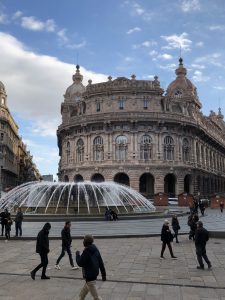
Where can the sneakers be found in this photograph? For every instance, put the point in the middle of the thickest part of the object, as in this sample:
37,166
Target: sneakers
32,275
57,267
200,267
162,257
209,266
173,257
75,268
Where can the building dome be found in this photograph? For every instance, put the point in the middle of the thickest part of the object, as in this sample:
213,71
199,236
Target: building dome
2,87
181,84
77,88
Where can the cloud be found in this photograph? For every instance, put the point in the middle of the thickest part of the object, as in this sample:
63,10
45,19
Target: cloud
4,19
132,30
165,56
198,66
64,40
212,59
176,41
139,11
145,44
36,83
31,23
199,44
220,88
128,59
168,67
17,15
199,77
217,27
153,53
190,5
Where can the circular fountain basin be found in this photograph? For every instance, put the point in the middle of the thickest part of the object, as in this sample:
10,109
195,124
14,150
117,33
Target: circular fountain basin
70,198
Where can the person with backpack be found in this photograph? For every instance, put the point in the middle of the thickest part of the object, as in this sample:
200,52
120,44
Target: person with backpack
201,238
166,238
66,246
90,261
42,248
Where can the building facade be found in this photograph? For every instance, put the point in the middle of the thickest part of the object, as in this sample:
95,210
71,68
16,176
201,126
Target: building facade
16,163
132,132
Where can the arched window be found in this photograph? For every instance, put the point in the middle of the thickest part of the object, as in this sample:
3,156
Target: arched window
146,147
67,152
186,150
168,148
80,151
121,147
98,148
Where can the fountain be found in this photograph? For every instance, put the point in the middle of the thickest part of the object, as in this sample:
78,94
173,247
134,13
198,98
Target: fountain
81,198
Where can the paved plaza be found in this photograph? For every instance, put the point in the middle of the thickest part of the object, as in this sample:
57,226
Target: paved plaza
213,221
134,271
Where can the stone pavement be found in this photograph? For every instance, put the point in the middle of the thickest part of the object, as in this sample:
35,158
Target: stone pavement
213,220
134,271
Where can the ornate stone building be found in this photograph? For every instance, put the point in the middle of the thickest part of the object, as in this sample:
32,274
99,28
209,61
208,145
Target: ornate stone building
130,131
16,164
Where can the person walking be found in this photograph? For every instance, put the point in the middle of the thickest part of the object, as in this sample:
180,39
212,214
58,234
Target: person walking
2,216
91,261
201,238
221,206
166,238
18,221
193,226
42,248
8,224
176,227
66,246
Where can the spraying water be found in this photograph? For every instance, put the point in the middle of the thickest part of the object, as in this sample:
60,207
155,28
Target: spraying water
75,198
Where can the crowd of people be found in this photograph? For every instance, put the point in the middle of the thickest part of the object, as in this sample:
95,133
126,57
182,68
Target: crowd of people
7,221
110,215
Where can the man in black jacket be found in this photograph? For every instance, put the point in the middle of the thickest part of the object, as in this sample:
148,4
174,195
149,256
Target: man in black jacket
2,216
166,238
201,238
42,247
66,246
18,221
90,261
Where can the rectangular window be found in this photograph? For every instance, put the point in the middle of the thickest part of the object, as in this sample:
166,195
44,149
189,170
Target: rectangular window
98,107
121,104
2,137
145,104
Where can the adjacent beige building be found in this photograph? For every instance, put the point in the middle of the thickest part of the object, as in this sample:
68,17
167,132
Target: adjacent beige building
133,132
16,164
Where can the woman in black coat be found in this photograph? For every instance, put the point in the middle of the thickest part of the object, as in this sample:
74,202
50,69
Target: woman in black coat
166,238
176,227
42,248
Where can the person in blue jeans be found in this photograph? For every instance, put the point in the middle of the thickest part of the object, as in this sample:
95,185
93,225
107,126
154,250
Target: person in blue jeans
66,246
18,221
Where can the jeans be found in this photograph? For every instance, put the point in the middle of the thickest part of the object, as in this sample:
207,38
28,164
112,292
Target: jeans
164,247
176,234
18,226
43,264
64,250
201,253
7,233
89,286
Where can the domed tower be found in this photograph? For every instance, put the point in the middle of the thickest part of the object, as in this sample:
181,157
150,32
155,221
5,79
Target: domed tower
73,104
3,96
181,94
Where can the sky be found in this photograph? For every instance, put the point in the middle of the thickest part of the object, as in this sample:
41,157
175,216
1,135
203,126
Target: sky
41,41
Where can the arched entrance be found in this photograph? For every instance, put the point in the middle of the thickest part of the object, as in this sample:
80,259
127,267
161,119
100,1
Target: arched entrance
187,184
122,178
146,185
97,178
170,185
78,178
66,178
